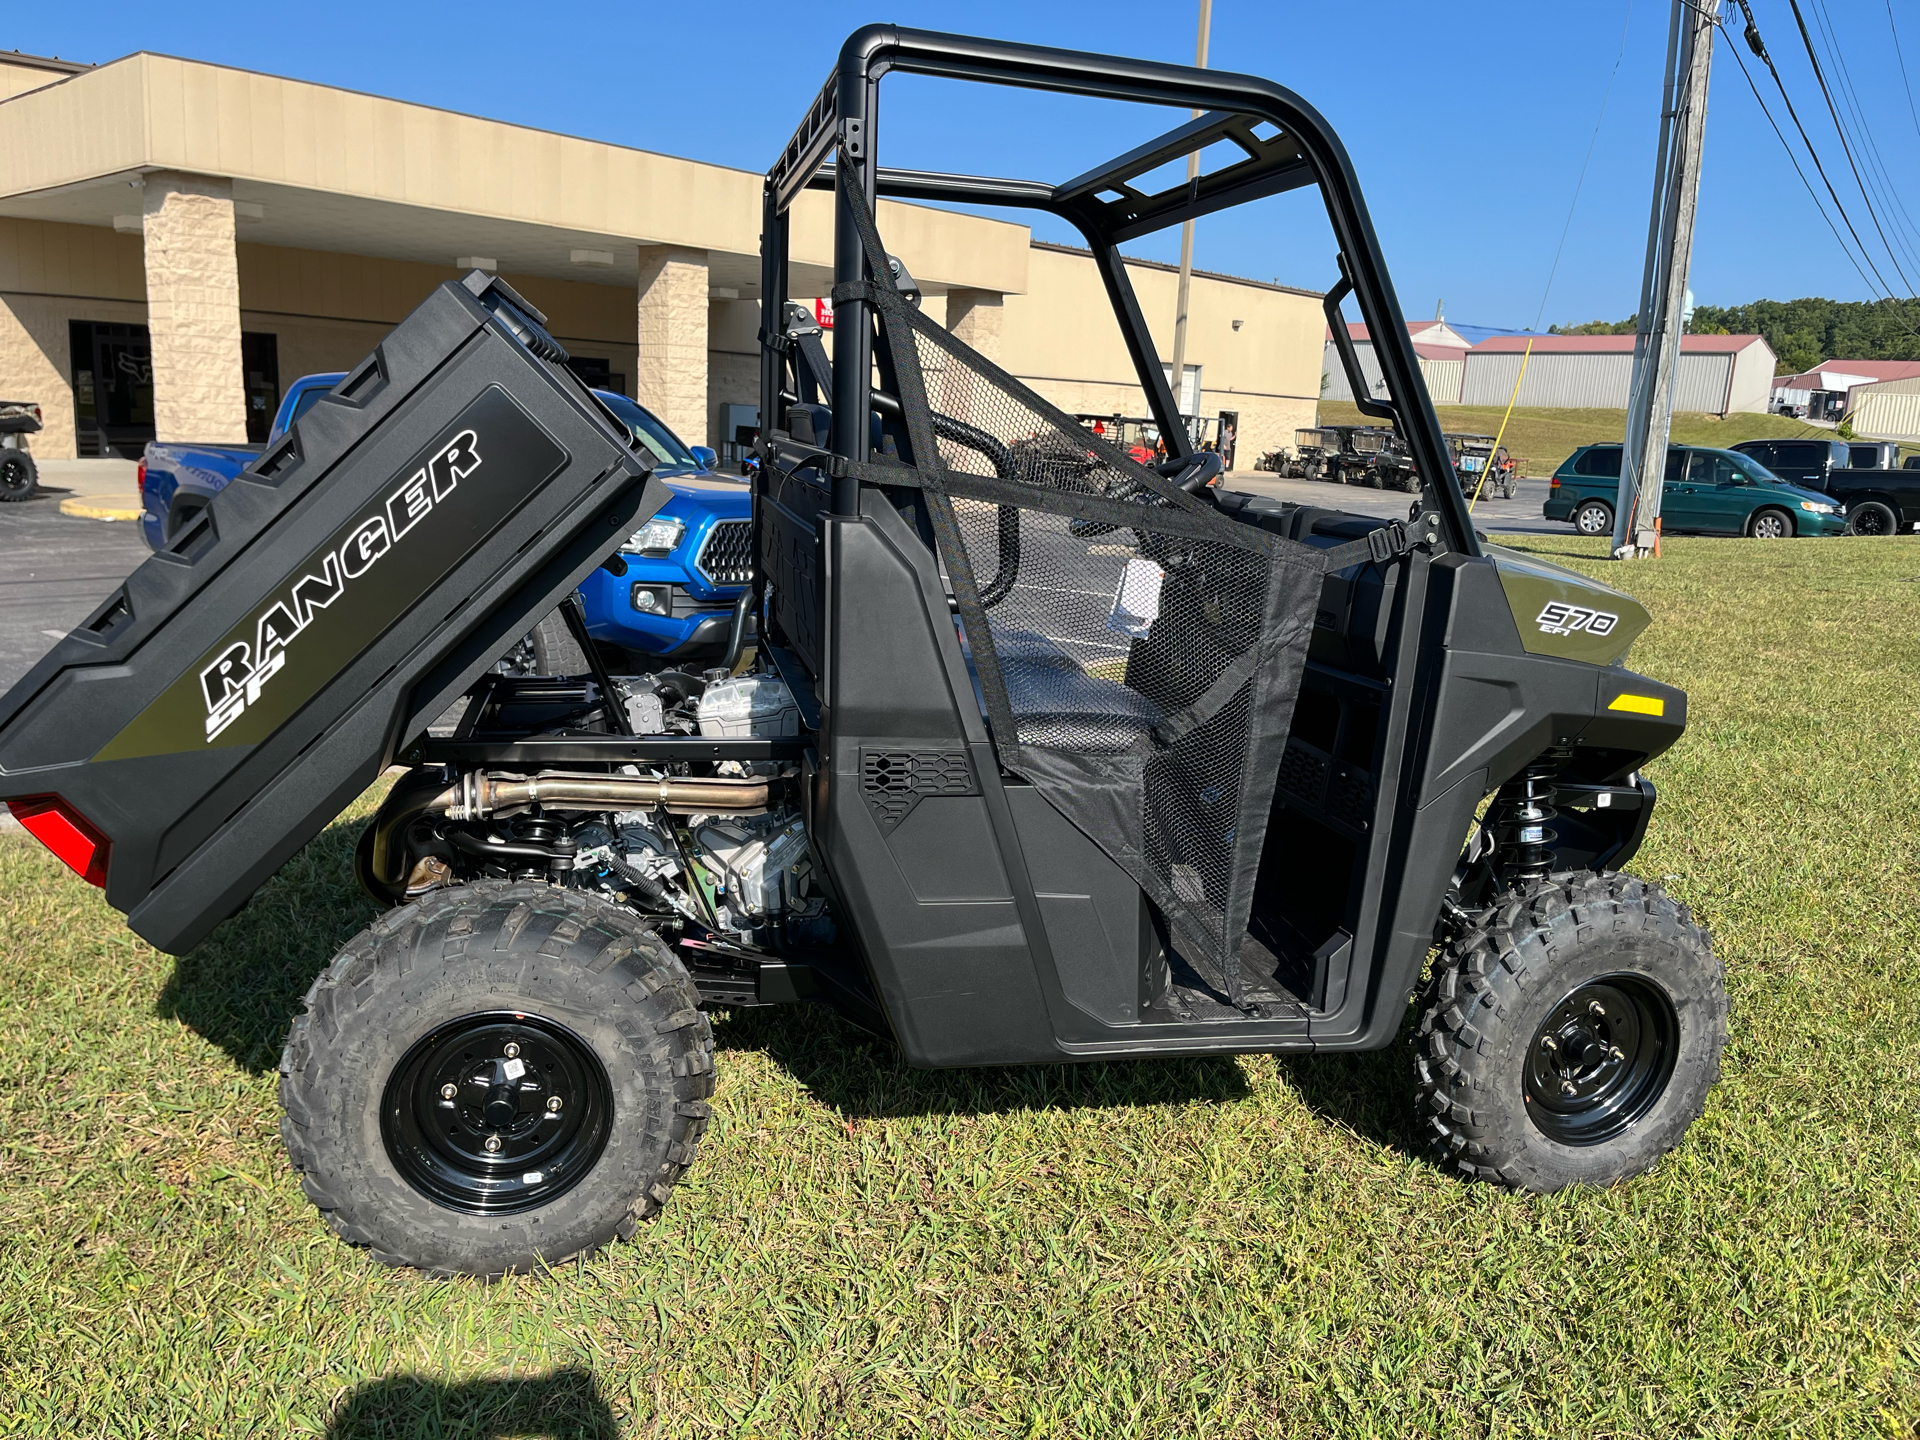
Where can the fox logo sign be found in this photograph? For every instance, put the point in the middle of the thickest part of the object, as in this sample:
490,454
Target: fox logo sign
233,681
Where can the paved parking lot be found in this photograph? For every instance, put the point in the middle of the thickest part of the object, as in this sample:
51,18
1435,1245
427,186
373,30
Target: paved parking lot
54,569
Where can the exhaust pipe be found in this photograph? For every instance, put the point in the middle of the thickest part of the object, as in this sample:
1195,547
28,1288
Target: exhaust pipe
479,795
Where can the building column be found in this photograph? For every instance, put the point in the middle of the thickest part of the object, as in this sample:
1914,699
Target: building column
973,318
672,371
193,309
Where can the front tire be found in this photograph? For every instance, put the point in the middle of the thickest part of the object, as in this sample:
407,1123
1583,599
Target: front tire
1571,1035
1870,517
1770,524
494,1078
555,651
1594,517
19,475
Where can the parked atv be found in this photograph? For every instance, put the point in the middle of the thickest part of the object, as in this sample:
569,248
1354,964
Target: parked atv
1041,755
19,475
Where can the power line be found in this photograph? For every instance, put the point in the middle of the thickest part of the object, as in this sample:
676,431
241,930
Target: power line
1554,269
1795,161
1759,48
1845,149
1863,132
1892,29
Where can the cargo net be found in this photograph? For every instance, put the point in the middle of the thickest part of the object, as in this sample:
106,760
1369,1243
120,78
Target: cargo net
1122,657
1138,652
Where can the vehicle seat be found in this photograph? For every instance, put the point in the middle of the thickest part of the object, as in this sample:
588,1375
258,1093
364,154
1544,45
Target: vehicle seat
1056,703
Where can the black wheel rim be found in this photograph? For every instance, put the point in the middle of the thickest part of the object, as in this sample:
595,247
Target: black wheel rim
1870,521
1601,1060
497,1113
13,475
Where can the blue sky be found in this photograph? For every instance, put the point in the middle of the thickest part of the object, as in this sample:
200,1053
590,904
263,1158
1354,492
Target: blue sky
1468,124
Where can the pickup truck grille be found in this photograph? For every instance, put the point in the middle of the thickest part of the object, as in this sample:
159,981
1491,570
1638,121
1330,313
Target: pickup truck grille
726,555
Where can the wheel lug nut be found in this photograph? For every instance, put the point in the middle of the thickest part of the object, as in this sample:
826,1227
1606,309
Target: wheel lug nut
1596,1010
511,1050
1615,1052
1567,1087
492,1144
1550,1044
553,1104
449,1090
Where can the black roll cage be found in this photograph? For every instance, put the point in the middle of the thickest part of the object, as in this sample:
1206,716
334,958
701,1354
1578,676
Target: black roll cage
1106,209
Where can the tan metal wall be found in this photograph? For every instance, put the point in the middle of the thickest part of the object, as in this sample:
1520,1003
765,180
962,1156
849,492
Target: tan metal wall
1560,380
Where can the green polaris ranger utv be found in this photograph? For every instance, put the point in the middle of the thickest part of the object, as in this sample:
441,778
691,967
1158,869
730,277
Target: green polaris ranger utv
1023,752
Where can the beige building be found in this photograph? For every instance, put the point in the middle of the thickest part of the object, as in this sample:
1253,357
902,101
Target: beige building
179,241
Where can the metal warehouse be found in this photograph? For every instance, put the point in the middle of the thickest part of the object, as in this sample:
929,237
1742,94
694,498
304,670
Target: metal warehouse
179,241
1440,349
1718,375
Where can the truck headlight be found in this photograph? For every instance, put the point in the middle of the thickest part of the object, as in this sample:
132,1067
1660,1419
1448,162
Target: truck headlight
1816,507
657,537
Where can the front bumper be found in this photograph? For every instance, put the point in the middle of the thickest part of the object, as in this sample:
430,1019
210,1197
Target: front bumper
704,623
1805,522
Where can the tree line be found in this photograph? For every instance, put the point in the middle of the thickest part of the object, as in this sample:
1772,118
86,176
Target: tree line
1802,332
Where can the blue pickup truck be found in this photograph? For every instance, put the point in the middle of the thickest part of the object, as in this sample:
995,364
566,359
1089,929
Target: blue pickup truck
685,567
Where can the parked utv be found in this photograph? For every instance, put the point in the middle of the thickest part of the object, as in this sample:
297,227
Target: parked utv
1480,468
19,475
1041,755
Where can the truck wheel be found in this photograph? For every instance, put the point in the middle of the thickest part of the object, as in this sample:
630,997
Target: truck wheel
1594,517
1770,525
496,1077
18,475
1870,517
555,651
1570,1037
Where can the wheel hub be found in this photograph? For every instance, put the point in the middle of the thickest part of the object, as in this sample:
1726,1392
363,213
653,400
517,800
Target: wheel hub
1600,1060
496,1113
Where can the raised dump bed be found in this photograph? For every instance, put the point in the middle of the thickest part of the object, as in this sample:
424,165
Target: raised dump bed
251,678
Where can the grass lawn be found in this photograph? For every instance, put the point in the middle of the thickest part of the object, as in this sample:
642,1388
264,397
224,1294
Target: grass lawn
1234,1247
1540,439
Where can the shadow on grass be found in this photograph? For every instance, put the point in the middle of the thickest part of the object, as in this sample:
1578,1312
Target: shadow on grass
242,985
1368,1092
566,1405
861,1076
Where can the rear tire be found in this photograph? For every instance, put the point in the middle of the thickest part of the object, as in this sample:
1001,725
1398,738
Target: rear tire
555,651
1593,517
19,476
1870,517
1770,524
1571,1035
554,1039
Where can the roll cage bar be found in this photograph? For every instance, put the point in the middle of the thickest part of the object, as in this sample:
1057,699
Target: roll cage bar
1105,205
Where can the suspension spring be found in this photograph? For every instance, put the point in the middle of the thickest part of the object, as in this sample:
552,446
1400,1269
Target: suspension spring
1524,826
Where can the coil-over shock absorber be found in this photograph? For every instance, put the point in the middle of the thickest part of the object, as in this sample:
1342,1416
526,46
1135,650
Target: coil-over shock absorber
1522,816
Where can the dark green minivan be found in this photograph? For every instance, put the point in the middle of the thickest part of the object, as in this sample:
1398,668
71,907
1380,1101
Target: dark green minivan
1712,492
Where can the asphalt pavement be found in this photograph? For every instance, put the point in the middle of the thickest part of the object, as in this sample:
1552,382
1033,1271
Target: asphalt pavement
54,569
1518,516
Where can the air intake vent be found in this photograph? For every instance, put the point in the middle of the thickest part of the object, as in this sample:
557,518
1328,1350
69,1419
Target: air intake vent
895,780
726,555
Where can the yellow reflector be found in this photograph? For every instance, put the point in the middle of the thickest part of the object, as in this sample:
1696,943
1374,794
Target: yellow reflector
1639,704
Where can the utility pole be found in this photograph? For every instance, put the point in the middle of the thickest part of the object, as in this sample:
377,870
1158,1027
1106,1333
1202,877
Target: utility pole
1663,286
1186,241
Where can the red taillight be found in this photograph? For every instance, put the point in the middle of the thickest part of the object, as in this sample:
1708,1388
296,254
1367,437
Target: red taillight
67,833
1556,483
140,477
